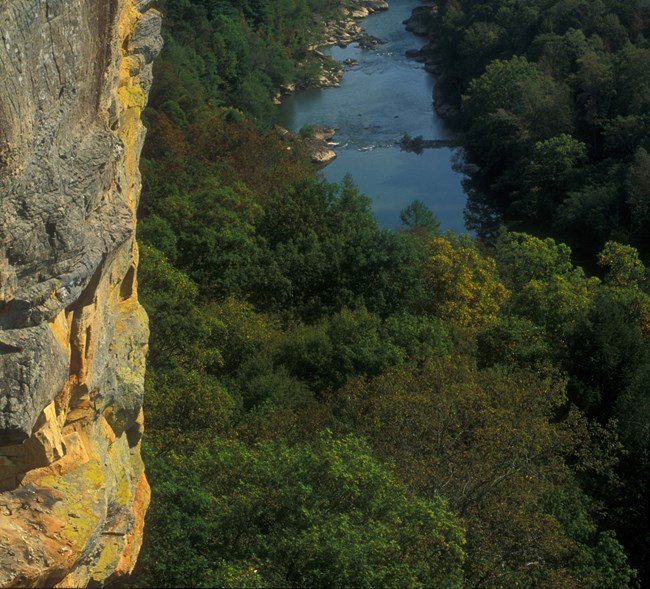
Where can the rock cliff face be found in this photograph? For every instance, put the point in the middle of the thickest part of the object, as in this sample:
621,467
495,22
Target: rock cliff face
74,77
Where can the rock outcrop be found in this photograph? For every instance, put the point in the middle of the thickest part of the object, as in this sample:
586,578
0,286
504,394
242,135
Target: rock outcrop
345,29
74,78
420,20
317,145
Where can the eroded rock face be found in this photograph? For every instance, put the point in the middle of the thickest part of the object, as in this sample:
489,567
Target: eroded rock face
74,78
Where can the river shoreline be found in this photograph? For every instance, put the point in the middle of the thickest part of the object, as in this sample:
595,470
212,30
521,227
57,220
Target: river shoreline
318,144
337,32
384,97
419,23
342,31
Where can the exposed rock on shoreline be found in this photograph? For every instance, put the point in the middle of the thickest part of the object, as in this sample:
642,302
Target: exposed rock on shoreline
315,141
319,152
342,32
420,23
312,141
346,30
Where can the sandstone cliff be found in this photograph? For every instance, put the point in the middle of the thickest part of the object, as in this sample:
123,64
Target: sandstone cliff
74,77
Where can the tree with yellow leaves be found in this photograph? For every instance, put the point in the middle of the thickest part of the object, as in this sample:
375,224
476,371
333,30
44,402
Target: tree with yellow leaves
462,285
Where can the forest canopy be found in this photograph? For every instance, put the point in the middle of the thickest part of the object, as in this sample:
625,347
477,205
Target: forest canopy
330,403
553,96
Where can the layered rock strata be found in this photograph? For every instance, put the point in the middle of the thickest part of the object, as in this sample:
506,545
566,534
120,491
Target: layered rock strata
74,78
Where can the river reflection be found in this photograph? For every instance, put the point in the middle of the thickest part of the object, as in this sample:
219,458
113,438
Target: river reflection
381,97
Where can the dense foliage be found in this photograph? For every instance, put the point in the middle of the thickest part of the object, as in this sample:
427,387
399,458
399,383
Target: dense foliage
332,404
554,97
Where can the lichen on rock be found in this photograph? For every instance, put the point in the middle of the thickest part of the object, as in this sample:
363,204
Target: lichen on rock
75,76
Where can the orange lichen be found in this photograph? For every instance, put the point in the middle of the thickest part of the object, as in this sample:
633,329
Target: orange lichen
133,540
77,494
132,98
61,330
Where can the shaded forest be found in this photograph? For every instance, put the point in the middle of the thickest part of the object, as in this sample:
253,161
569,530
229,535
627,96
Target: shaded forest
333,404
553,96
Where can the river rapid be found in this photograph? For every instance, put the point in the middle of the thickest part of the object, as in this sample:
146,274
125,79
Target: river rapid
382,97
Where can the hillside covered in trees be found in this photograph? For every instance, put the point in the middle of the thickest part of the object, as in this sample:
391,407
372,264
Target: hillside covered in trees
333,404
554,98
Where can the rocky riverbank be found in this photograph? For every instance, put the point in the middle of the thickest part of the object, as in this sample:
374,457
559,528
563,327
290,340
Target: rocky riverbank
420,23
342,30
313,141
317,143
346,29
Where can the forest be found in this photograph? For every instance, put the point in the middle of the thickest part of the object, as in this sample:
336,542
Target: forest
554,98
332,404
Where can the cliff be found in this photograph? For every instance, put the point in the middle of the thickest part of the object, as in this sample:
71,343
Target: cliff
75,75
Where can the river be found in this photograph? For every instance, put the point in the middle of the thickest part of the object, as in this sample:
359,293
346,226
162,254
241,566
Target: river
380,98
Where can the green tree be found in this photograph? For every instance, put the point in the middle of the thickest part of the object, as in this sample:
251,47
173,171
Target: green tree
347,344
490,442
512,105
591,213
623,266
633,81
553,169
514,341
312,515
595,85
638,195
418,217
521,258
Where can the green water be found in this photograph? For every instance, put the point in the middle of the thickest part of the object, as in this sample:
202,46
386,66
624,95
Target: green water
382,97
